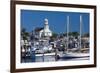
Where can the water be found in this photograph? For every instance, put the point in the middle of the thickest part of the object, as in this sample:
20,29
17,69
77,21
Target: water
39,59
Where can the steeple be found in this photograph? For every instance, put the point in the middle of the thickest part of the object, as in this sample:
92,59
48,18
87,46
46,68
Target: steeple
46,21
46,26
46,30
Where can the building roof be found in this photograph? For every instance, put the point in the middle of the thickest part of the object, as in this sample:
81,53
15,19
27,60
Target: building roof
37,29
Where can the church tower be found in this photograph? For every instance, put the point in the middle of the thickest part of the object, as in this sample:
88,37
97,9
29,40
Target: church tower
47,32
46,26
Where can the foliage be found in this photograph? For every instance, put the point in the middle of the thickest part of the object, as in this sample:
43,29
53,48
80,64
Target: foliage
24,34
86,35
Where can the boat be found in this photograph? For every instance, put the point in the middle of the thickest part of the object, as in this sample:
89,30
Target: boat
73,54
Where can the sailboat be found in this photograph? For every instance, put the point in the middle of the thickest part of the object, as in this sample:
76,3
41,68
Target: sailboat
74,54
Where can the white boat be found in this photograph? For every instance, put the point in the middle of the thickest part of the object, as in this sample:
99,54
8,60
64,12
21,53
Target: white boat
46,54
74,55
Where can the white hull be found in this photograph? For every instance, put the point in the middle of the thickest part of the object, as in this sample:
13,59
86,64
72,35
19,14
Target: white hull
66,55
47,54
74,55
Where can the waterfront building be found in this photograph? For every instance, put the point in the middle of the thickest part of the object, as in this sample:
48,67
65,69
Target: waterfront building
44,32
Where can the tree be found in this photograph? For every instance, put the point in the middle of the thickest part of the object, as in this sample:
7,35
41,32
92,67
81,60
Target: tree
86,35
54,35
24,34
74,34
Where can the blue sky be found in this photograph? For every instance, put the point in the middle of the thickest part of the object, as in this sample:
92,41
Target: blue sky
30,19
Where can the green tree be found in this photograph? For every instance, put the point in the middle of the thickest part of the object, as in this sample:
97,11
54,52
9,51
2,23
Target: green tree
54,35
24,34
86,35
75,34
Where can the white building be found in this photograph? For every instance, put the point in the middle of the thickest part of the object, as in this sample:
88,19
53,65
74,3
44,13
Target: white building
45,31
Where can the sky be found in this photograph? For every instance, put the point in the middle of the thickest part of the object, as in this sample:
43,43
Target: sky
30,19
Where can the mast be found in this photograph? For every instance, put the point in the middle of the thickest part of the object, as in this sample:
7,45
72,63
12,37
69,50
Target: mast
67,36
80,30
67,30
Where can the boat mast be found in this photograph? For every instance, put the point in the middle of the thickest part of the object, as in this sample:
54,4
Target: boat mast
67,36
67,30
80,30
